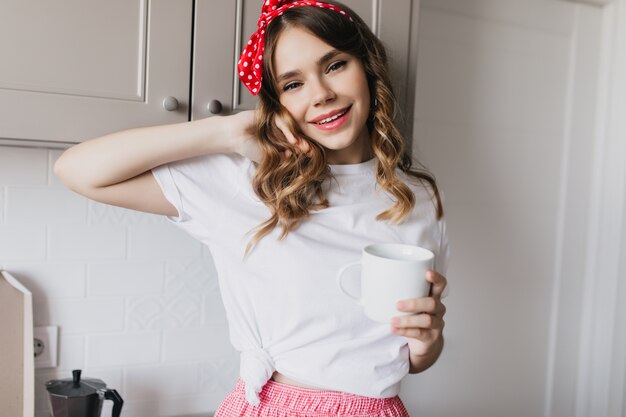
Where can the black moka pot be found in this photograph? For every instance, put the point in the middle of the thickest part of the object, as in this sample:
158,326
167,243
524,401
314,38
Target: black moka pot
81,398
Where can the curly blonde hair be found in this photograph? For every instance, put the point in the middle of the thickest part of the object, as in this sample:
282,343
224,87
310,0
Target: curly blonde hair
292,187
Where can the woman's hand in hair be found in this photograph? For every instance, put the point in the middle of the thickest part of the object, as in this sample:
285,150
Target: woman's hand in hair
240,130
300,144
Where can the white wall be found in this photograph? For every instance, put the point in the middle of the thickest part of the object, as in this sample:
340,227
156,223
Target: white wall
135,299
509,115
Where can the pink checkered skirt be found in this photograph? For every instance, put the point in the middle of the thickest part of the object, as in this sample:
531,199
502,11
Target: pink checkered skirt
282,400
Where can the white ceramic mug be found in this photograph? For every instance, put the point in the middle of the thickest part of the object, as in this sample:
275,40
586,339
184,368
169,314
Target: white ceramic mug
390,272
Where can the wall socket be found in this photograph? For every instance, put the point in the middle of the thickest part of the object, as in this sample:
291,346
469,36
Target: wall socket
45,346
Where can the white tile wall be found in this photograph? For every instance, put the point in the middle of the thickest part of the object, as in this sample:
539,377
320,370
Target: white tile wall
50,279
82,315
86,241
43,204
20,242
177,380
71,352
135,348
179,345
136,300
20,166
148,241
126,278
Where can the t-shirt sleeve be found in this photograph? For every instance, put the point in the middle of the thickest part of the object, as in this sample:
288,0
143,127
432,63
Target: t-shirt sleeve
165,178
198,188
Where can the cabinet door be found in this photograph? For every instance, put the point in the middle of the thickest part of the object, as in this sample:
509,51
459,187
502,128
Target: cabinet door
72,70
213,77
389,19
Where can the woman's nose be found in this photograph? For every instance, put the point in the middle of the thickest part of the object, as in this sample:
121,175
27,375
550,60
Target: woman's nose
322,93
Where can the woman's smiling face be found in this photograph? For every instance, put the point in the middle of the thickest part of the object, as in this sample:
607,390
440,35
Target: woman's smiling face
326,92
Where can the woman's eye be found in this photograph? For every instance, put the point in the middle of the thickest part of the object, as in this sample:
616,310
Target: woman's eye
290,86
336,66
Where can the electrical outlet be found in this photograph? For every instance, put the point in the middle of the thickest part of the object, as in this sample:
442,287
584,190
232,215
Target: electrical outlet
45,346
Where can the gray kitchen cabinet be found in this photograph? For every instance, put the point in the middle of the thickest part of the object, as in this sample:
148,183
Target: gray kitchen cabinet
73,70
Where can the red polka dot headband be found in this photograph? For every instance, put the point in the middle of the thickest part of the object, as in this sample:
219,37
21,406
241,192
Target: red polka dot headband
250,63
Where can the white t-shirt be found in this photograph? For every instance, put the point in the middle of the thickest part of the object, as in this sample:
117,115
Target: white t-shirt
284,308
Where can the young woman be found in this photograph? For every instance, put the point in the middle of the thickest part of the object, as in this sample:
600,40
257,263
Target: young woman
284,196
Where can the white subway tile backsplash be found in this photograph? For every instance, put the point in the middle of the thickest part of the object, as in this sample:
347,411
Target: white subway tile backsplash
191,275
53,180
80,242
22,242
123,349
126,278
159,241
81,316
50,279
71,350
201,343
44,205
220,374
163,380
23,166
72,253
213,312
146,313
170,311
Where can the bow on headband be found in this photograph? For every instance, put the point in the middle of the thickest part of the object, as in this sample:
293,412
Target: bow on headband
250,63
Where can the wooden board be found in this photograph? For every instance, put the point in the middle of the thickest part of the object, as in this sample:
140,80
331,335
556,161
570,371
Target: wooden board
17,394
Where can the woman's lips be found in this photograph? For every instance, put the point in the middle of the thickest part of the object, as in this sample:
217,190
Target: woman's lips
335,123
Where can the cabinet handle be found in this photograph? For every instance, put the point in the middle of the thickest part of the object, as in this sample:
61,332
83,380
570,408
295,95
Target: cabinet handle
215,107
170,103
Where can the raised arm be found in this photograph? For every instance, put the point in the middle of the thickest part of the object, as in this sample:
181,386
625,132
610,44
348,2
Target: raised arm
115,169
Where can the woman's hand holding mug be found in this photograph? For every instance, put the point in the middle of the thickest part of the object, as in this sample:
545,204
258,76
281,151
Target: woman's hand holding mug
424,326
399,286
